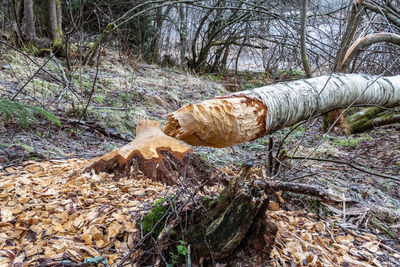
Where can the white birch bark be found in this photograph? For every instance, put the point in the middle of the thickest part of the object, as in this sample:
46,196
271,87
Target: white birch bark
247,115
291,102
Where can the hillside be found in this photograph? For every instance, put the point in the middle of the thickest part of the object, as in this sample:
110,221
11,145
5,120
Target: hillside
52,212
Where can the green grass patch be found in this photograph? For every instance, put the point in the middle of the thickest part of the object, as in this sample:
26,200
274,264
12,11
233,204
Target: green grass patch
351,142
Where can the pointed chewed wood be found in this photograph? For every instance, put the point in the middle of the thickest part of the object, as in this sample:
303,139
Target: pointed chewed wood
218,122
155,155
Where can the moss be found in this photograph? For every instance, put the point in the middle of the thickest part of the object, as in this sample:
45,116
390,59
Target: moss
110,26
154,220
239,207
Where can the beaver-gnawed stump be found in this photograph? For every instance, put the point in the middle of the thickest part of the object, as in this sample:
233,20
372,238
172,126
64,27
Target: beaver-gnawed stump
155,155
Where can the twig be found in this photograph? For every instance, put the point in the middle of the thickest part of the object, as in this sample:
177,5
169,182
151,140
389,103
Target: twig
93,85
394,178
33,61
30,78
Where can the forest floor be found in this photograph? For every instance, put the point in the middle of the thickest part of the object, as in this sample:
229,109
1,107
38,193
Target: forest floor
51,211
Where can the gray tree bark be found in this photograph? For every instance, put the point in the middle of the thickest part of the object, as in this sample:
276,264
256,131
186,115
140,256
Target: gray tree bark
182,34
29,20
303,48
54,12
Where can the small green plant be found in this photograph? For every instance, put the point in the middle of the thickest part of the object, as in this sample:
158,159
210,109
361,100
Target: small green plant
31,49
26,113
99,99
249,86
176,258
182,248
297,74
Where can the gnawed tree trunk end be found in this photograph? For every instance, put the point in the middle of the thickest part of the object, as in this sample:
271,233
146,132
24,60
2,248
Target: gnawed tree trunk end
247,115
154,155
218,122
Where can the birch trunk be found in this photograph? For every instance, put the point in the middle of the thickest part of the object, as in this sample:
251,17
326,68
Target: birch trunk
245,116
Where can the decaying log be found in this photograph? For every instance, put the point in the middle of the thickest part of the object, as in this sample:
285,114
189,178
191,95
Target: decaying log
237,219
247,115
368,119
153,154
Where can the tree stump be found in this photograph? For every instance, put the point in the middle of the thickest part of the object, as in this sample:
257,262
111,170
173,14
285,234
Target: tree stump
236,221
154,155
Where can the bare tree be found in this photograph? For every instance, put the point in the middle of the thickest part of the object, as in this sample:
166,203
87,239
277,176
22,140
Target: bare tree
54,10
29,20
303,48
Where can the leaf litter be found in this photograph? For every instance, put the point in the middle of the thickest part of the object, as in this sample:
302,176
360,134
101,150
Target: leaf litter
50,211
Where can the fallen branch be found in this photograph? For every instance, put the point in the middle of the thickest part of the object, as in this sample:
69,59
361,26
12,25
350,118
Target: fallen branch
96,127
304,189
394,178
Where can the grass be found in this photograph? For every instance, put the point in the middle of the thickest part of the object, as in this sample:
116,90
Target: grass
352,142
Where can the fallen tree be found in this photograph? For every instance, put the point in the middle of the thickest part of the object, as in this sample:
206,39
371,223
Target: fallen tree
248,115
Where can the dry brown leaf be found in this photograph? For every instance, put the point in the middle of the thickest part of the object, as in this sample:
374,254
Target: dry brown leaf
274,206
319,226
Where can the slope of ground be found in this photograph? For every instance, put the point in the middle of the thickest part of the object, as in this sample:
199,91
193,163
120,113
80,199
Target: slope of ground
43,217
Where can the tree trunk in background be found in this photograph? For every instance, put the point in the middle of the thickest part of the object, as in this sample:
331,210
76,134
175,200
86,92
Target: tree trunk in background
247,115
29,20
59,17
182,34
17,19
53,24
303,48
336,116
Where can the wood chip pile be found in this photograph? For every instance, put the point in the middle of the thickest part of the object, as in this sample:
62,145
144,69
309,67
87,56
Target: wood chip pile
50,211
